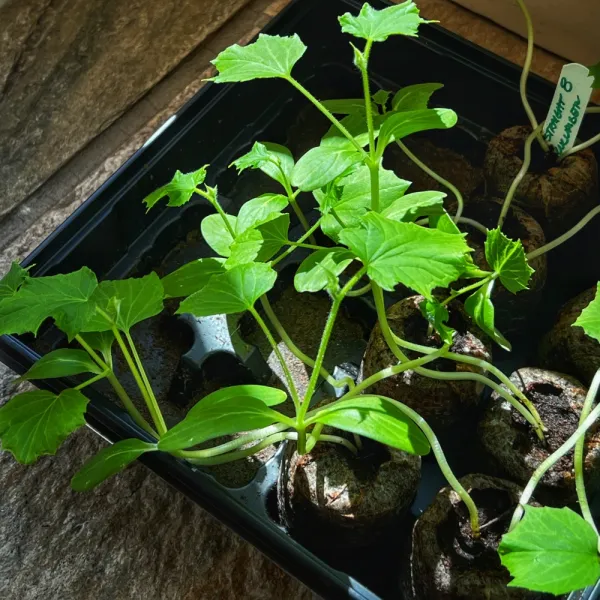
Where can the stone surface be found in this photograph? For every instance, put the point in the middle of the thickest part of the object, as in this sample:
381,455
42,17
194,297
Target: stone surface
69,68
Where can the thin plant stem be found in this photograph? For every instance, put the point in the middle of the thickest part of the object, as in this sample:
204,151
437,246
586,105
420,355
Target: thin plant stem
565,236
119,389
367,93
579,454
152,405
459,199
525,76
294,204
328,114
468,288
473,223
360,291
215,202
522,172
295,350
91,381
582,146
292,248
275,347
303,245
337,218
315,434
374,170
550,462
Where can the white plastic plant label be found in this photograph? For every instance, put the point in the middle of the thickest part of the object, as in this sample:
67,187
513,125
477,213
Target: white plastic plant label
568,106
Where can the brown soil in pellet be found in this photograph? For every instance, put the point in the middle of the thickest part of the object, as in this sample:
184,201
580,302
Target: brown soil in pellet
450,165
441,403
511,309
447,563
567,348
515,448
558,194
330,496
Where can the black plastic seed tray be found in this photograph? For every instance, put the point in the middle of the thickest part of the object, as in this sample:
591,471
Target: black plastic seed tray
112,234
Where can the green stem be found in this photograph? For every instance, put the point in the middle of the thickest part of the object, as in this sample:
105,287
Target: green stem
303,245
295,350
367,93
522,172
312,384
153,409
215,202
360,291
565,236
275,347
374,170
582,146
323,110
93,380
292,248
315,434
337,218
292,200
473,223
468,288
525,76
550,462
459,199
119,389
579,453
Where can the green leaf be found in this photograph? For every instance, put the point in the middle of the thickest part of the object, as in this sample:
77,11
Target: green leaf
269,396
62,363
346,106
12,281
232,292
356,126
272,159
206,422
420,258
480,307
35,423
589,318
260,210
414,97
507,258
127,302
399,125
323,164
62,297
595,72
270,56
377,418
551,550
444,222
413,206
378,25
216,235
179,190
381,98
438,315
108,462
261,243
355,198
321,269
102,341
192,277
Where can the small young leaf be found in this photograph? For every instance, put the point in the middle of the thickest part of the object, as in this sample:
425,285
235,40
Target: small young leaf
411,207
12,281
213,420
269,396
345,107
321,165
108,462
378,25
192,277
270,56
377,418
355,198
438,315
62,297
480,307
35,423
137,299
381,98
589,318
232,292
62,363
322,268
399,125
507,258
272,159
260,210
179,190
420,258
216,235
551,550
595,73
414,97
102,341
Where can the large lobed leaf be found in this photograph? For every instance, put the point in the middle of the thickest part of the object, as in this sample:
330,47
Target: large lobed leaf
589,319
507,258
12,281
35,423
179,190
378,25
551,550
270,56
420,258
